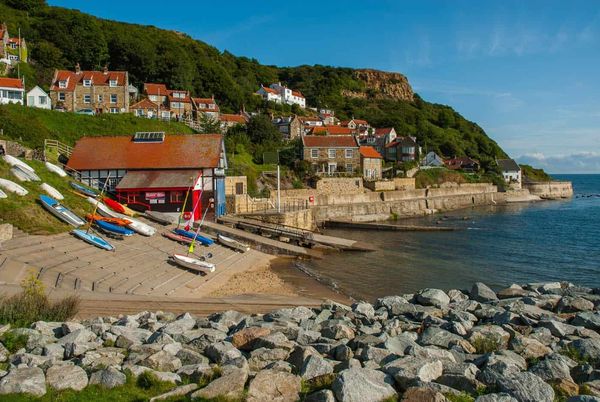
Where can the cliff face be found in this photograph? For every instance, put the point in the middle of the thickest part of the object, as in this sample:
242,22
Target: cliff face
382,85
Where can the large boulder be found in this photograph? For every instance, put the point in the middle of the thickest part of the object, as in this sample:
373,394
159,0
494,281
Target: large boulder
433,297
29,380
570,304
439,337
554,367
108,378
315,366
502,397
420,394
482,293
277,386
407,370
222,352
363,385
588,348
229,386
67,377
526,387
162,361
588,319
245,338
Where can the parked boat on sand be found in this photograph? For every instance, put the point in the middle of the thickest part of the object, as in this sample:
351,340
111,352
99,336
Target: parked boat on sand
113,229
177,238
92,239
192,235
83,190
159,217
232,243
193,263
114,221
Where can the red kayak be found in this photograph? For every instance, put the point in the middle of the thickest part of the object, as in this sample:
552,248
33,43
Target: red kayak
177,238
114,205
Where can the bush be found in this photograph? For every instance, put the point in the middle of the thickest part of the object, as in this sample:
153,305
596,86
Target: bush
32,304
13,341
487,344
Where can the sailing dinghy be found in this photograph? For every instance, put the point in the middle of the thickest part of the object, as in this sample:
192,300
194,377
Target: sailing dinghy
193,263
60,211
13,187
92,239
114,221
19,174
133,224
204,240
178,238
233,244
29,174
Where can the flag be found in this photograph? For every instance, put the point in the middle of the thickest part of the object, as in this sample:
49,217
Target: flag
190,223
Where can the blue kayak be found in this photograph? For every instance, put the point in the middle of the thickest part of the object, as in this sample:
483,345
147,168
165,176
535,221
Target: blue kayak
191,235
60,211
114,229
83,190
92,239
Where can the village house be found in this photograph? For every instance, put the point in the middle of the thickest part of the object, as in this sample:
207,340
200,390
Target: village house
511,172
155,171
371,163
432,160
146,108
281,94
290,127
232,120
402,149
379,138
269,94
329,155
12,50
330,130
38,98
328,117
11,91
174,103
101,91
310,122
464,163
359,127
205,106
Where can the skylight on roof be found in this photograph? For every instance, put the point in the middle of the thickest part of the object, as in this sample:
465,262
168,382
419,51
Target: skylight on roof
149,137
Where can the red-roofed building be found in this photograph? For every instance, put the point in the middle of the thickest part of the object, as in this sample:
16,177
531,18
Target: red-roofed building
402,149
145,108
155,171
101,91
330,130
379,138
232,120
174,103
206,106
281,94
11,91
331,154
12,50
370,162
464,163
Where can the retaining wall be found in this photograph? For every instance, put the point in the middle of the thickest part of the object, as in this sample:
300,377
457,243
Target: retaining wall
550,190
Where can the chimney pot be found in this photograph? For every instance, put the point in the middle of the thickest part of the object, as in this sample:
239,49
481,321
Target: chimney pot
77,68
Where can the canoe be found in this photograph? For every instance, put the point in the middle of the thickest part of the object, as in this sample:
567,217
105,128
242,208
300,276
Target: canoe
134,224
12,161
3,194
232,243
92,239
177,238
159,217
101,208
114,205
55,169
129,211
113,229
193,263
114,221
83,190
191,235
13,187
60,211
51,191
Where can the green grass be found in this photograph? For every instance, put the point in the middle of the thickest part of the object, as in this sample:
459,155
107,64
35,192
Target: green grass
13,342
429,177
242,164
487,344
462,397
532,174
575,355
32,126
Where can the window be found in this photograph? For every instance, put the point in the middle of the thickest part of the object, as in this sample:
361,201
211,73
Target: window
139,112
114,110
349,153
314,153
62,84
112,83
371,140
43,100
87,83
87,98
153,98
132,197
349,167
331,153
100,98
177,197
61,96
113,98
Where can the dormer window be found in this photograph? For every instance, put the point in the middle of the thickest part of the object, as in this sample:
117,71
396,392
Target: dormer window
62,84
87,83
112,83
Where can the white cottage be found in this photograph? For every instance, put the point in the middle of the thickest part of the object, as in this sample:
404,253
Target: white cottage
511,172
37,97
11,91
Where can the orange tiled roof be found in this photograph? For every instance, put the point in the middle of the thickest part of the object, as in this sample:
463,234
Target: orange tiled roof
297,93
11,83
156,89
271,90
233,118
370,152
331,130
98,78
144,104
380,132
326,141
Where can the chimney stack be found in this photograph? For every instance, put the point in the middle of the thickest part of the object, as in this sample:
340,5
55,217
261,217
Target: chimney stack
105,70
77,68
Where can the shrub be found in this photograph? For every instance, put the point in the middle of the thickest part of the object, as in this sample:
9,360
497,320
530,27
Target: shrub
487,344
13,342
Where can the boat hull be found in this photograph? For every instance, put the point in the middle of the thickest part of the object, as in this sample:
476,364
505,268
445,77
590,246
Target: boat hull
3,194
200,239
177,238
51,191
233,244
159,217
13,187
83,190
12,161
114,221
55,169
193,263
114,229
93,239
19,174
60,211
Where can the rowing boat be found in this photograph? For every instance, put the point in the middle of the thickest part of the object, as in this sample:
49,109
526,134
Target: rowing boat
134,224
19,174
113,229
177,238
60,211
3,194
93,239
51,191
13,187
232,243
114,221
55,169
12,161
193,235
159,217
193,263
83,190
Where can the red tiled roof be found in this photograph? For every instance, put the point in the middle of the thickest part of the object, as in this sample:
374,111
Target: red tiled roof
297,93
120,152
11,83
15,40
144,104
407,141
205,101
98,78
380,132
325,141
267,89
331,130
369,152
233,118
156,89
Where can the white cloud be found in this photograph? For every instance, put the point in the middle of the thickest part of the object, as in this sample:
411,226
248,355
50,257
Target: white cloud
580,162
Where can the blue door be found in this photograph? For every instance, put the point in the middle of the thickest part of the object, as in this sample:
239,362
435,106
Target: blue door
220,198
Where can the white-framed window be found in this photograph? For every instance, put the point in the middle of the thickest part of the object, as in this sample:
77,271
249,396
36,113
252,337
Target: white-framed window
113,98
349,167
153,98
349,153
100,98
87,83
61,96
114,110
62,84
87,98
331,153
139,112
43,100
314,153
112,83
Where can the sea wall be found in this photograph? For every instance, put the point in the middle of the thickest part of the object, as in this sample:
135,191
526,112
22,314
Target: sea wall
334,185
550,190
302,219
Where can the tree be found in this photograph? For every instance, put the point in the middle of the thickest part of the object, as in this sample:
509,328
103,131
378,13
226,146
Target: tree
262,131
208,124
26,5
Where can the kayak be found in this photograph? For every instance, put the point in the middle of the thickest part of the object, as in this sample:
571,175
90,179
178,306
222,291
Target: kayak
60,211
134,224
13,187
55,169
177,238
129,211
232,243
193,263
102,208
83,190
3,194
113,229
114,221
12,161
51,191
114,205
159,217
93,239
192,235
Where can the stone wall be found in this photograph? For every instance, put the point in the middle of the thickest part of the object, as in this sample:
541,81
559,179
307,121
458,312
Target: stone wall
550,190
242,204
233,184
16,149
380,185
336,185
303,219
404,183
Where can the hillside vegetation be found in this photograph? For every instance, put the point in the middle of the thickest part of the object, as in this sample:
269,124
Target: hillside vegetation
60,38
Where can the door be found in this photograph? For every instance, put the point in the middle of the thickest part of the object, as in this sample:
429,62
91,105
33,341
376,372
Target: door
331,168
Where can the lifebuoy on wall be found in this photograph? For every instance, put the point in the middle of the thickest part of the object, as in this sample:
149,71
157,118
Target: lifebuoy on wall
311,199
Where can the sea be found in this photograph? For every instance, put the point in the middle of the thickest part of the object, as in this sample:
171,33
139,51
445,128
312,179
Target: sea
498,245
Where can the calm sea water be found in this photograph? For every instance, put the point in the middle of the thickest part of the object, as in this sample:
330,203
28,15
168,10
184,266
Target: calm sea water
499,245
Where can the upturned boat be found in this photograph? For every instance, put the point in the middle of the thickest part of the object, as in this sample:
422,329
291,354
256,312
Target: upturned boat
114,205
83,190
159,217
112,229
193,263
177,238
13,187
114,221
192,235
12,161
92,239
51,191
60,211
232,243
55,169
23,175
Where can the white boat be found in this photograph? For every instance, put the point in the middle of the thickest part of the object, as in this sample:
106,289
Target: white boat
160,217
31,175
193,263
12,161
55,169
19,174
60,211
140,227
232,243
3,194
51,191
13,187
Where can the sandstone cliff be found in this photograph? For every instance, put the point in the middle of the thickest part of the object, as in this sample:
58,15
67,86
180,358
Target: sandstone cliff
381,85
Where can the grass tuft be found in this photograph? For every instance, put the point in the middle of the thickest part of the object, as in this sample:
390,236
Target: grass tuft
487,344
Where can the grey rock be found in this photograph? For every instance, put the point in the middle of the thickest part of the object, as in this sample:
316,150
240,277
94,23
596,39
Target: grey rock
68,327
82,335
456,296
179,326
228,318
295,314
315,366
529,348
161,375
569,304
439,337
108,378
589,320
274,340
407,370
306,337
459,382
338,331
363,385
190,356
29,380
174,393
323,395
587,348
260,358
54,350
526,387
269,385
104,357
222,352
196,372
300,354
554,367
67,377
280,366
496,398
376,355
433,297
482,293
53,329
365,309
162,361
400,344
584,398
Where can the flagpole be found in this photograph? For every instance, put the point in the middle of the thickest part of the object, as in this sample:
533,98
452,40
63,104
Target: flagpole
191,248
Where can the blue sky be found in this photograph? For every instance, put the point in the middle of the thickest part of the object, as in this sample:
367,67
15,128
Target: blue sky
527,72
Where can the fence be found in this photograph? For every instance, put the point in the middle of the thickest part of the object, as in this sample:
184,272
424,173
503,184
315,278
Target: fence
245,204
